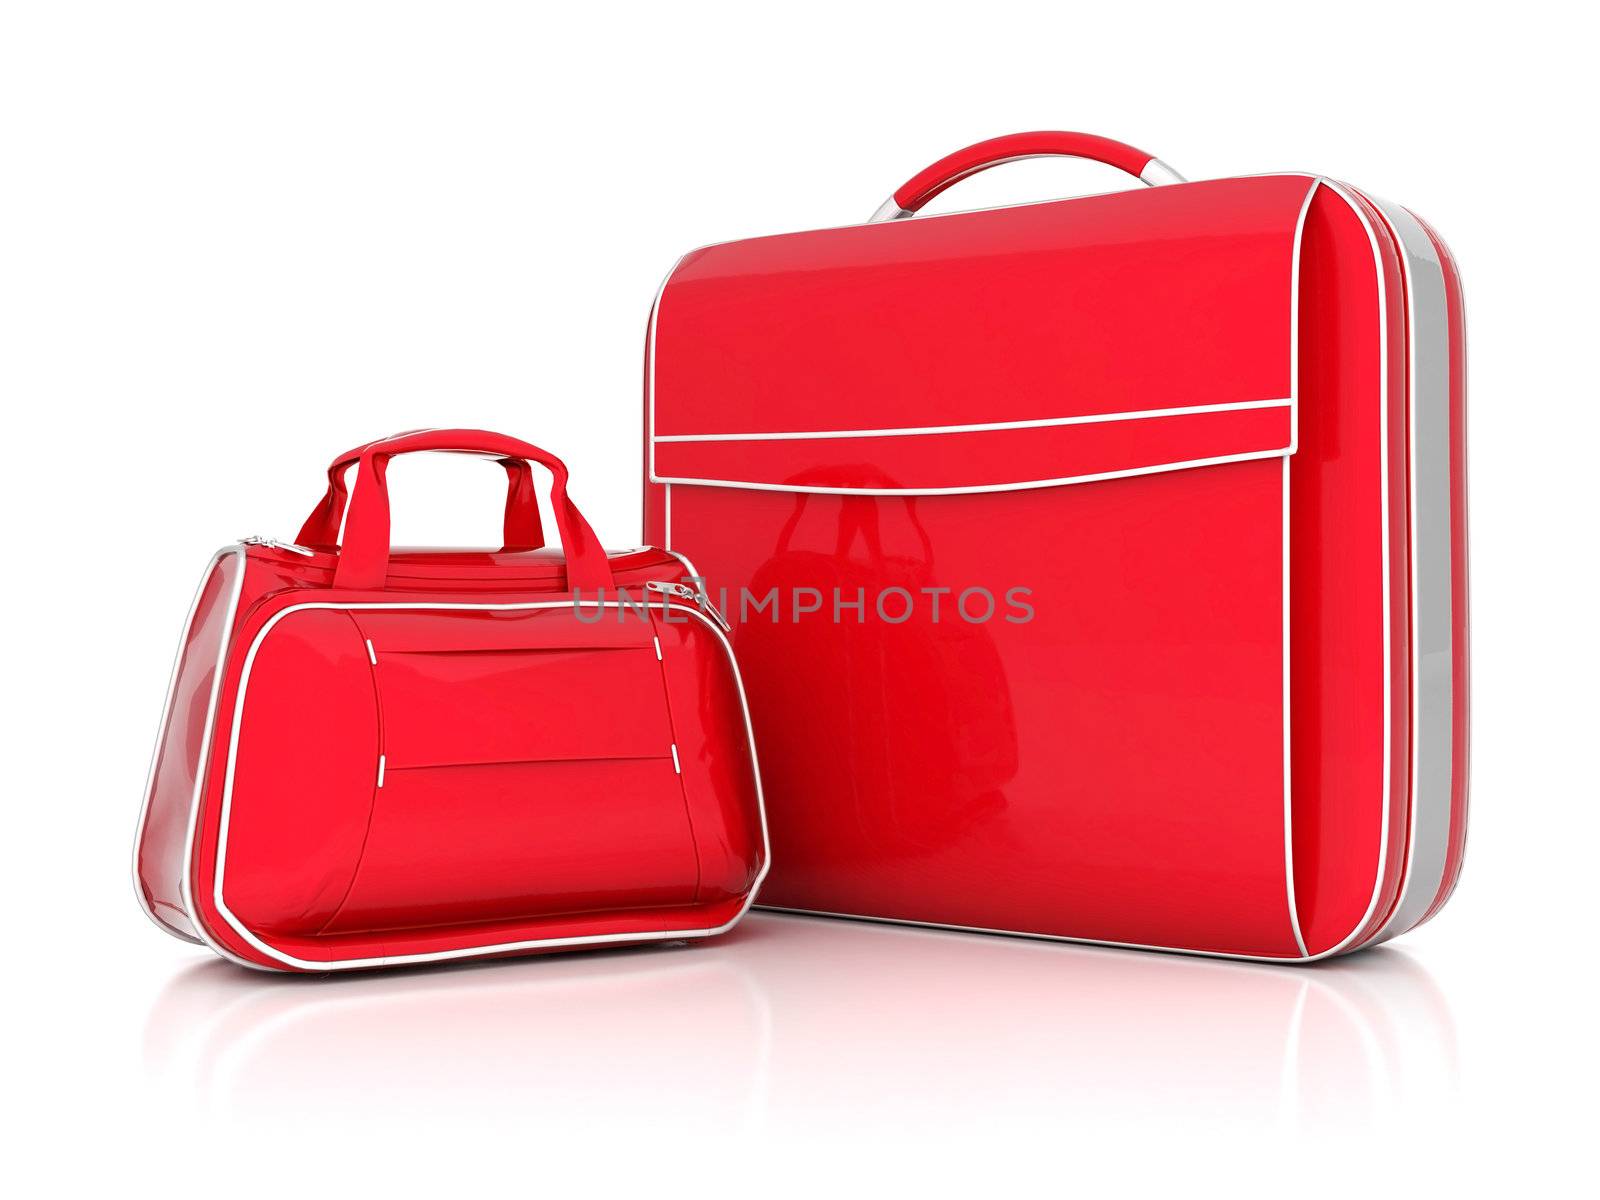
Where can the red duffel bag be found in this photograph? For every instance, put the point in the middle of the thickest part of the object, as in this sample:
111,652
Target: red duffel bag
373,758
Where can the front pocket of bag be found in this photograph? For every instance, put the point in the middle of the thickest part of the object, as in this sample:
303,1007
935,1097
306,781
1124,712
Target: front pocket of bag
520,780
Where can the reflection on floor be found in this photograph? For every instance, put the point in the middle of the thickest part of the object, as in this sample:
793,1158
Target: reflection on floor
805,1022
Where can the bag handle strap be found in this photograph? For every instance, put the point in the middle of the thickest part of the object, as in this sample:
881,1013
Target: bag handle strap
1045,143
523,529
364,553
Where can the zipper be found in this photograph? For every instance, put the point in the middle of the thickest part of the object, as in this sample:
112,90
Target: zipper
676,590
274,544
701,600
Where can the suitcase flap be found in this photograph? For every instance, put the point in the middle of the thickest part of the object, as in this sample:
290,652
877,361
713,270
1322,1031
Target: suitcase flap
1020,347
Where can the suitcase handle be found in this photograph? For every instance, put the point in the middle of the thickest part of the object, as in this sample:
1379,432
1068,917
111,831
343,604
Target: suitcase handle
1046,143
364,554
523,529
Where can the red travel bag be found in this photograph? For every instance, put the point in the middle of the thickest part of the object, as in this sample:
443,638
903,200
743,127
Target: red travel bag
1098,566
373,758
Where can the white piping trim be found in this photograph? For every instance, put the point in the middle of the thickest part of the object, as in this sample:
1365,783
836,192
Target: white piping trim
979,488
473,951
985,427
654,338
1294,314
1294,440
1288,959
1383,491
1288,737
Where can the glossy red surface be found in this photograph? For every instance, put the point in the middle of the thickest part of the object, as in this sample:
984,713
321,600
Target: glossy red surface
455,763
1348,578
953,168
1199,739
966,319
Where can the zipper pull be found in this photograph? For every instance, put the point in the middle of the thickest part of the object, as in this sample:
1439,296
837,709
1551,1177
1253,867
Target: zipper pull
700,599
275,544
675,590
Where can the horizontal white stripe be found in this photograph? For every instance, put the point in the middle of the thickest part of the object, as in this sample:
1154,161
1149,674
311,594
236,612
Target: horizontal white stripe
914,431
974,489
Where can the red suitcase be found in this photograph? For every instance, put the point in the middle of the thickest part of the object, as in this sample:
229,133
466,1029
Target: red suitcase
371,759
1183,467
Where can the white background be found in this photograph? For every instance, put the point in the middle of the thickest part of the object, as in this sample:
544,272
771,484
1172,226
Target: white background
235,240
